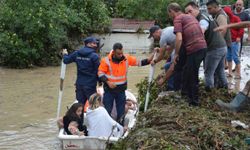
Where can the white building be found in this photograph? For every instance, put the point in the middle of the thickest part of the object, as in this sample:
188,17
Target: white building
133,35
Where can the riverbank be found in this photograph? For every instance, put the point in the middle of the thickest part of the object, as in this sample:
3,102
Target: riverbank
170,123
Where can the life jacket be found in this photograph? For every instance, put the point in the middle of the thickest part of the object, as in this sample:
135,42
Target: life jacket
117,72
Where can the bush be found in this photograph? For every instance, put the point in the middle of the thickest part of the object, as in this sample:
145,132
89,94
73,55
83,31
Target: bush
33,32
146,10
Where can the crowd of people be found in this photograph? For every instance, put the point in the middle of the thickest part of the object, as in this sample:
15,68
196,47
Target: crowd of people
196,40
195,37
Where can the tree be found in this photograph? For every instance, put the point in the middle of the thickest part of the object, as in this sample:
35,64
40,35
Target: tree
146,10
32,32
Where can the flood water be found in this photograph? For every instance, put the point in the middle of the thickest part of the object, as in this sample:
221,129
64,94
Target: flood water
28,102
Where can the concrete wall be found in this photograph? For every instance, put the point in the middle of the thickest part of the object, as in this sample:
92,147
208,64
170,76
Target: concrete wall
132,42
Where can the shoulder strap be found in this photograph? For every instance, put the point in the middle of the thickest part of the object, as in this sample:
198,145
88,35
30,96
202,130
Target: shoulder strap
206,17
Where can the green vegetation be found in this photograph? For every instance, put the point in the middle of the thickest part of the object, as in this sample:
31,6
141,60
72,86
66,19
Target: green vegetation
146,10
170,123
32,32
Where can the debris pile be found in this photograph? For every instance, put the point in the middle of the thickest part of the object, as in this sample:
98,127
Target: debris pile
170,123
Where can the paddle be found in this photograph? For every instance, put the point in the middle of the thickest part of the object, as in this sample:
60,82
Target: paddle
150,78
63,69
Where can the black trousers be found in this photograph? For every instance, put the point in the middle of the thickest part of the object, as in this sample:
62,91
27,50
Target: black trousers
178,70
191,75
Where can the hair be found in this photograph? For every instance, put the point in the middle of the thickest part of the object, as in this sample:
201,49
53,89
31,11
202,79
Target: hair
174,6
193,4
117,46
72,110
94,101
213,2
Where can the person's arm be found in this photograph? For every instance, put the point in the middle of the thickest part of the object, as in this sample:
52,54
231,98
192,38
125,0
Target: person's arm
164,53
243,24
169,50
204,25
178,43
222,21
102,70
69,58
133,61
160,52
96,63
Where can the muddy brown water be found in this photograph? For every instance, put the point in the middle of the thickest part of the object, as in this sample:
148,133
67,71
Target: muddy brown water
28,102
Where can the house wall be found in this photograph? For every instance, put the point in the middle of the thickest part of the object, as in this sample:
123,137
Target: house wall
132,42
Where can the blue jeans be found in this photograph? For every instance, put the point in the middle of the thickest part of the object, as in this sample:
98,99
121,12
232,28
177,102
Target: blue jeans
120,100
232,53
83,93
214,64
170,83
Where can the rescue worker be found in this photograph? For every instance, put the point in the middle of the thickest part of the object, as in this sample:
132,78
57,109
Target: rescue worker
87,61
113,71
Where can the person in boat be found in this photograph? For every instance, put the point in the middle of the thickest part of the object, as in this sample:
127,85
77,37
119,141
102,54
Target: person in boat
99,122
72,119
87,61
113,71
240,101
73,128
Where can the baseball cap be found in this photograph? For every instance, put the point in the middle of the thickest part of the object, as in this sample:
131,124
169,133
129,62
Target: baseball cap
90,40
152,30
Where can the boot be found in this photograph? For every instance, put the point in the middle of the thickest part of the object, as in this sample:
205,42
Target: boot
236,105
238,74
247,89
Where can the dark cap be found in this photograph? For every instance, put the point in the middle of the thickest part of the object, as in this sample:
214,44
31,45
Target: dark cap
90,40
152,30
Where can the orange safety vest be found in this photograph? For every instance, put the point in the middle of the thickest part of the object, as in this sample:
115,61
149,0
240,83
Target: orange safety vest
117,73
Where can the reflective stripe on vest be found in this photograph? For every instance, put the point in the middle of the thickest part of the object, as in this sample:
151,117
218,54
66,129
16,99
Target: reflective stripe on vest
117,80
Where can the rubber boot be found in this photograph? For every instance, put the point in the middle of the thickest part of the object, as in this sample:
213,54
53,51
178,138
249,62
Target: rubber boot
238,74
236,104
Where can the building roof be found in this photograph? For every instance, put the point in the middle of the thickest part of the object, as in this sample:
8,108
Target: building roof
130,25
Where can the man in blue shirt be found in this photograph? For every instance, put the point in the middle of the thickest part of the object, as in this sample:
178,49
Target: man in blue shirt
87,62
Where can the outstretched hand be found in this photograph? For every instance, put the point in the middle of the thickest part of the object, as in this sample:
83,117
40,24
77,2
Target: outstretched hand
64,52
161,79
220,28
111,85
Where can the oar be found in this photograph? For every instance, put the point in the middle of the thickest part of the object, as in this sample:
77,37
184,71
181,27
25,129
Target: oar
150,78
63,69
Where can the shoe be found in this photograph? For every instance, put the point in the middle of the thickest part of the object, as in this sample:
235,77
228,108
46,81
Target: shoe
208,89
229,75
225,106
194,104
237,77
236,105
